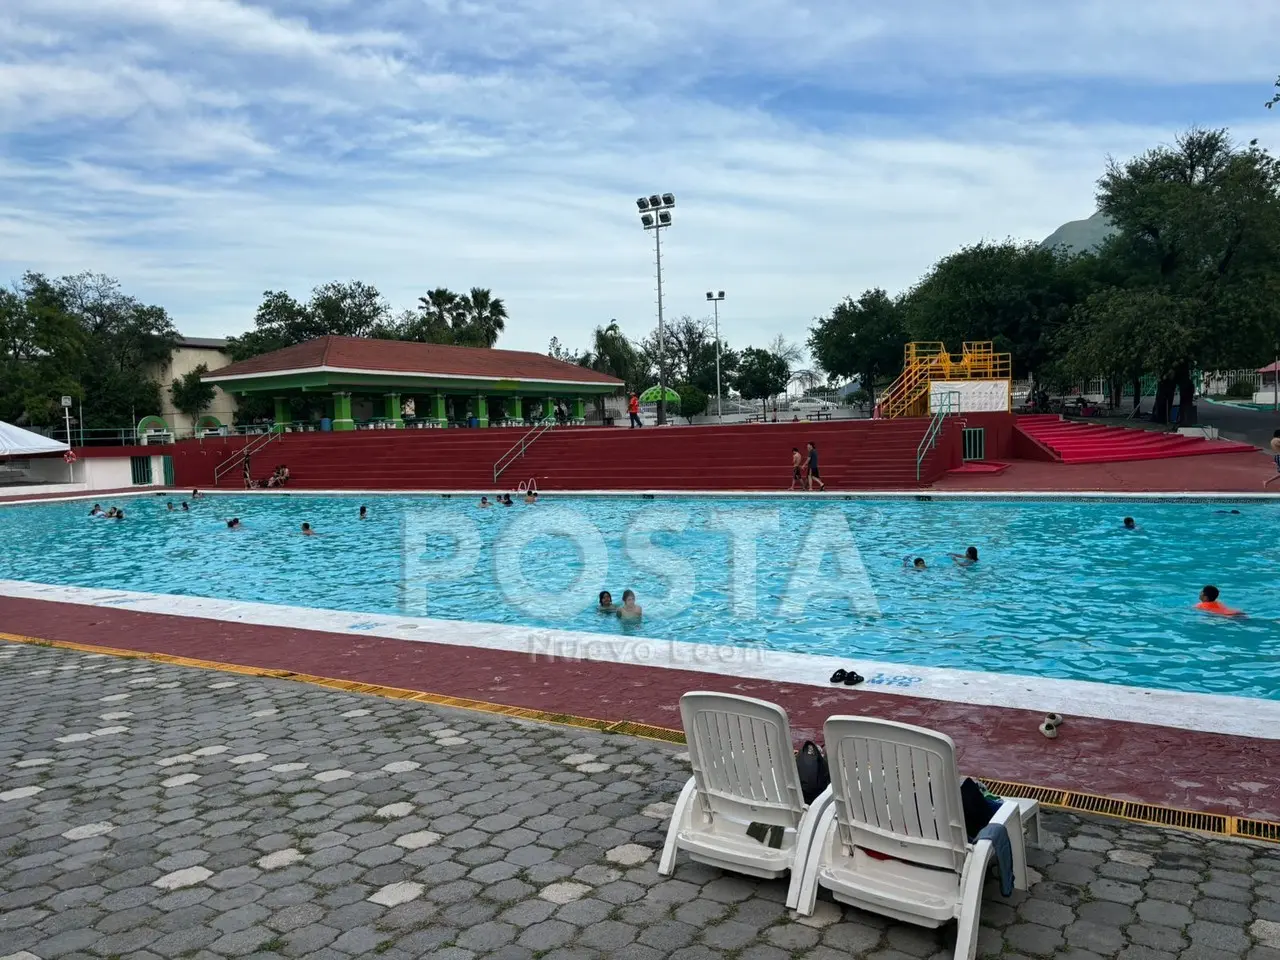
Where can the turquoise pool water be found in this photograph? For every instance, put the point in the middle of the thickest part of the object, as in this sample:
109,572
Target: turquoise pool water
1061,589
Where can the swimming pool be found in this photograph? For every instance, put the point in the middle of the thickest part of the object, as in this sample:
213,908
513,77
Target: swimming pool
1061,590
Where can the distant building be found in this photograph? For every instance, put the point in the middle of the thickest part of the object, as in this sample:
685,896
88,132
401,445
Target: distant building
188,354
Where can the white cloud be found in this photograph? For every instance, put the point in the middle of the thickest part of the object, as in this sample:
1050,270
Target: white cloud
204,151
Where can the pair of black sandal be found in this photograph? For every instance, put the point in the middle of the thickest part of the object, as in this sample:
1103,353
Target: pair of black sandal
849,678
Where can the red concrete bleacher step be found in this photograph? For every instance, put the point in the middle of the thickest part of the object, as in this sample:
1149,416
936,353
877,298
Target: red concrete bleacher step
1074,442
857,454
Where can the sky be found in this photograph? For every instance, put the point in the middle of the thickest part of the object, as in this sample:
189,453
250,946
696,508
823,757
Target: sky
205,151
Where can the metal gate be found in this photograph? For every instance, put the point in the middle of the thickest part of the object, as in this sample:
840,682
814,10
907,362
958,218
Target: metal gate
975,443
168,471
140,467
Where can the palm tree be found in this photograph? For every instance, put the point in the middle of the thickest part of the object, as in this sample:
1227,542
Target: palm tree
612,353
482,317
438,315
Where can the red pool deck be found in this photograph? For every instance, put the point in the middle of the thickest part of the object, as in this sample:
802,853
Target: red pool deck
1147,763
1213,473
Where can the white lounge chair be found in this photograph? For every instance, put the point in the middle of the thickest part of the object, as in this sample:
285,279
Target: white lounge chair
896,793
744,772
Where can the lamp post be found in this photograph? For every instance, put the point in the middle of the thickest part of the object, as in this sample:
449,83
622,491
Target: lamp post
655,214
715,302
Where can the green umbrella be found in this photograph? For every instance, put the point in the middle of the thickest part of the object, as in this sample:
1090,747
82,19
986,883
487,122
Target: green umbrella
653,393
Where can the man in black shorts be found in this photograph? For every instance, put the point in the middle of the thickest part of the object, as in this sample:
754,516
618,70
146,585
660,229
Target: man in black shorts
796,477
814,475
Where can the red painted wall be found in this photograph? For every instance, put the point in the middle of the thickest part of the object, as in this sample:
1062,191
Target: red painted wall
1000,430
852,454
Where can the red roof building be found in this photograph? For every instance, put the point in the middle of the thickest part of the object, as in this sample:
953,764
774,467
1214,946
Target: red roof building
487,384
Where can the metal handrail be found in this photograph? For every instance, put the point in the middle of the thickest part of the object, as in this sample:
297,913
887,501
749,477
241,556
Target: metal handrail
521,445
948,403
253,446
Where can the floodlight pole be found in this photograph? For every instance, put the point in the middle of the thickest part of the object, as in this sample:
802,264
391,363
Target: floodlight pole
715,303
662,340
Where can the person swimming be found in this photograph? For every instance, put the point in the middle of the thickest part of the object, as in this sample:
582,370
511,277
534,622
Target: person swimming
233,523
307,531
630,610
170,505
96,511
185,508
966,559
531,497
119,514
916,564
484,503
606,602
506,499
364,513
1237,512
1210,603
1129,524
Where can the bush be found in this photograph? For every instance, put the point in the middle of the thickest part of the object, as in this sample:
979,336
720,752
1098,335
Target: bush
1240,390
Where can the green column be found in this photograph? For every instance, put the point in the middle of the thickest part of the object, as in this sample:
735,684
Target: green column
438,412
579,409
392,411
549,411
517,408
342,412
283,415
482,410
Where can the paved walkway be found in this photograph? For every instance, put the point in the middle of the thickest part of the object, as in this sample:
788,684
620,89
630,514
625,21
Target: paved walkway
154,811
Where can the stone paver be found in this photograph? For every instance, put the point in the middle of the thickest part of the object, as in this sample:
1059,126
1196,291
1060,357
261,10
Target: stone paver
261,818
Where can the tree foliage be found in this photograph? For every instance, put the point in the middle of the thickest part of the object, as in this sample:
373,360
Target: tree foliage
693,401
80,336
1199,234
861,339
761,374
1013,294
191,395
357,309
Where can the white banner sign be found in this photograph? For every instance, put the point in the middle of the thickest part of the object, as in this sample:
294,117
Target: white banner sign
975,396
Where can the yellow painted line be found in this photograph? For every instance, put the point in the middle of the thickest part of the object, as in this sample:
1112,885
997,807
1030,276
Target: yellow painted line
1069,800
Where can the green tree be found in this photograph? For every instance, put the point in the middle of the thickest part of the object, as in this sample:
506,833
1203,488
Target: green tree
191,395
558,352
43,350
1123,335
1276,98
482,318
1199,225
861,339
761,374
126,342
612,353
1013,294
693,401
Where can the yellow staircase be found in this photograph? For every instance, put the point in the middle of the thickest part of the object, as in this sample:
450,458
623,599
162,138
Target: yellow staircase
926,361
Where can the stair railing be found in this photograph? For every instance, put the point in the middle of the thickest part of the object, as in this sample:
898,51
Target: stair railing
948,403
520,446
233,461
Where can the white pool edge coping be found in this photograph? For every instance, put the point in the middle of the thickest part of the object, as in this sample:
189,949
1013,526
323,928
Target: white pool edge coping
1199,712
892,494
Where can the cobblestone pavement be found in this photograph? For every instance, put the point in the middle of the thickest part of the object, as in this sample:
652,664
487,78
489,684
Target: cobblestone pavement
155,811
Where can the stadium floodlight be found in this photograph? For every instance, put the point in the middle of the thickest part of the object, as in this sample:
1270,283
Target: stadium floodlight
655,213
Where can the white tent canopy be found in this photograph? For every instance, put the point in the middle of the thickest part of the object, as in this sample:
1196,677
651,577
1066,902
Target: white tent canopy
16,442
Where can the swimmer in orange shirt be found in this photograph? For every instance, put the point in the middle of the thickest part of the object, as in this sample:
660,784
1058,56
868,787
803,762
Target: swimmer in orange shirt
1209,603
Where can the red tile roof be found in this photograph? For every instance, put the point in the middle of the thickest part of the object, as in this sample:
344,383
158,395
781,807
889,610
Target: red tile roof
420,359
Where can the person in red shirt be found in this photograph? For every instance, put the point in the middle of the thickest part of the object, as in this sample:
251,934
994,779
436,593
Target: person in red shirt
633,408
1210,603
